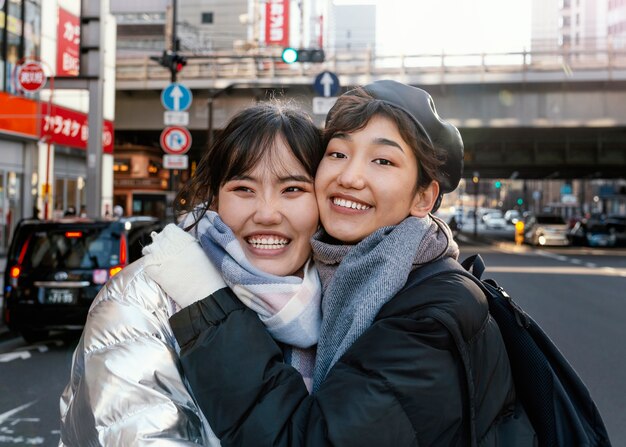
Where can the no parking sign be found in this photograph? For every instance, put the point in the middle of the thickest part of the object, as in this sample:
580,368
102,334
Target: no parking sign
175,140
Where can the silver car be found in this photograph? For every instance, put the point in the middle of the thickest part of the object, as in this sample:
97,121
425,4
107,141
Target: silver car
546,229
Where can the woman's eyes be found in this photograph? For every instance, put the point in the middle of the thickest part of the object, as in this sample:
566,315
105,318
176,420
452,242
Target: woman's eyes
383,162
336,155
293,189
242,189
379,161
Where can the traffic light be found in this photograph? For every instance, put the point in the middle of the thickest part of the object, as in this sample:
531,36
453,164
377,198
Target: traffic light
520,201
314,55
174,62
178,63
498,184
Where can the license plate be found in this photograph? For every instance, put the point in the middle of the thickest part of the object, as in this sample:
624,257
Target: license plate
59,296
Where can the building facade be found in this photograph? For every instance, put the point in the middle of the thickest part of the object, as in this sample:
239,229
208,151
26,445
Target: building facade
43,134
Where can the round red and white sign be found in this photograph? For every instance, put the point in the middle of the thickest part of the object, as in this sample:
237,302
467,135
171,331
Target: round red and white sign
31,76
175,140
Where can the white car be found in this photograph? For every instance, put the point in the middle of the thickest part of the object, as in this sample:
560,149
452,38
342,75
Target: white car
546,229
494,221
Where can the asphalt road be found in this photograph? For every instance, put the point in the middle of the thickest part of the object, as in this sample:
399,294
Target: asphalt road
577,295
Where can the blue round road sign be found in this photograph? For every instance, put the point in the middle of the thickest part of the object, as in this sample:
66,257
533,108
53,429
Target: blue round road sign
176,97
326,84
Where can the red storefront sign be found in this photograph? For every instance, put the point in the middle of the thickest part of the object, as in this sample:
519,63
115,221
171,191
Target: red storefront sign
69,128
277,22
17,115
68,41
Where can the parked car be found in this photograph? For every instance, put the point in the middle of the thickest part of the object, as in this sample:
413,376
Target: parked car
512,216
545,229
617,226
592,234
55,268
494,221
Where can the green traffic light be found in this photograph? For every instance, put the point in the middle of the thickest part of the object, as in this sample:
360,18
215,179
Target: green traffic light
498,184
289,56
520,201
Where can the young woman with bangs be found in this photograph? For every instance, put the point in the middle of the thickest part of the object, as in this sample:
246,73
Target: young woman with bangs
248,215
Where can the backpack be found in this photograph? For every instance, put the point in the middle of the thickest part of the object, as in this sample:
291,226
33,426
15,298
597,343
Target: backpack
554,398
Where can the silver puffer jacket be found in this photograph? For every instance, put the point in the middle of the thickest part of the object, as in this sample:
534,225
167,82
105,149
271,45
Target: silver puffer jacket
126,386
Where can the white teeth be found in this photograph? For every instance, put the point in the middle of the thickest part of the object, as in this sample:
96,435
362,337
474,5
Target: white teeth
268,242
350,204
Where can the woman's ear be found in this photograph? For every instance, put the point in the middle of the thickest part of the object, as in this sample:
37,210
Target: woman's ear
213,204
424,200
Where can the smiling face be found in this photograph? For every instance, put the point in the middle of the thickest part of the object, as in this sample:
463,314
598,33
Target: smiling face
368,180
272,212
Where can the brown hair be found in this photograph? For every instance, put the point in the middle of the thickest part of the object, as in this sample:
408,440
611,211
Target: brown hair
249,137
353,111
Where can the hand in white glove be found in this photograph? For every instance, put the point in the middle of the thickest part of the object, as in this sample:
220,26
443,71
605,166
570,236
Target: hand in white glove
176,261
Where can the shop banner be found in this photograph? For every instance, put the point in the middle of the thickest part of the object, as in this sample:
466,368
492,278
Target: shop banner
69,128
68,42
277,22
18,116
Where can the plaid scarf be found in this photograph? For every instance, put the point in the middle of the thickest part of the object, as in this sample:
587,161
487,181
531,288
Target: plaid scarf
289,306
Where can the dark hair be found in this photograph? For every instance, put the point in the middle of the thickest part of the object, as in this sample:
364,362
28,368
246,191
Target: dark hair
352,113
248,138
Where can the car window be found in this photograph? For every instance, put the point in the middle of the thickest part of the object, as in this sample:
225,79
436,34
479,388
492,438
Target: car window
73,249
550,220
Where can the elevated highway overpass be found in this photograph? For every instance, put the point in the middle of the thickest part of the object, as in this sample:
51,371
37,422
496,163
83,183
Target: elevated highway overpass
559,114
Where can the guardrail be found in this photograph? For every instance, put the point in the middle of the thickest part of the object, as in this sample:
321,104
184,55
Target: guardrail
233,65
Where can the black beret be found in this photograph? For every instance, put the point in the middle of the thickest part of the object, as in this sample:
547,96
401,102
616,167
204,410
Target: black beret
419,105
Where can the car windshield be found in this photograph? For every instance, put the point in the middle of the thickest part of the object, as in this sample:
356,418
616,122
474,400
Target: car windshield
550,220
73,249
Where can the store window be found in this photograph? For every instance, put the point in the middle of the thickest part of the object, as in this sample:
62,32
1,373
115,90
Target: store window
32,28
2,28
10,211
69,196
121,165
14,49
20,37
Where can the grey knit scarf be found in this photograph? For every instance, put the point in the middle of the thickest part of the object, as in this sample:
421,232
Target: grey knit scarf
357,280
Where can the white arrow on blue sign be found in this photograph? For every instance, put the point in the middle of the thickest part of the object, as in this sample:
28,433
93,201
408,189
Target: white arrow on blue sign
326,84
176,97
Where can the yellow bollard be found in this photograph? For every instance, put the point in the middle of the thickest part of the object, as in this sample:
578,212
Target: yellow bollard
519,232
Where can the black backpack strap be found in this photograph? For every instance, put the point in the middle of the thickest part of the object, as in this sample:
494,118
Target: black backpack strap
431,270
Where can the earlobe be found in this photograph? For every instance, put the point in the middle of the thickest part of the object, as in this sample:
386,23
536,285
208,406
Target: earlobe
424,200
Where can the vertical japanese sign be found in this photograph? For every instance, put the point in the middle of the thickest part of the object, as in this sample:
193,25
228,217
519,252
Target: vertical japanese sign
68,41
277,22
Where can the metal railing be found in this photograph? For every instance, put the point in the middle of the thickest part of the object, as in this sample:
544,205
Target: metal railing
231,65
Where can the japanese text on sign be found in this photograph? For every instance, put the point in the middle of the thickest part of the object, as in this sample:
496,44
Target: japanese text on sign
69,128
68,41
277,22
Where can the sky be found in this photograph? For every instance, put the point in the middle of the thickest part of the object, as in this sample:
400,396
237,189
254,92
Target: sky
452,26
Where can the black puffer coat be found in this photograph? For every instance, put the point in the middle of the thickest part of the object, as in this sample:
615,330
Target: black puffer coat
402,383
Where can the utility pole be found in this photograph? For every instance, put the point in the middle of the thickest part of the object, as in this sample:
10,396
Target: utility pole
174,36
92,38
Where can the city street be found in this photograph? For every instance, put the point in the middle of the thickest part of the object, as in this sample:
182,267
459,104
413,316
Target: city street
576,294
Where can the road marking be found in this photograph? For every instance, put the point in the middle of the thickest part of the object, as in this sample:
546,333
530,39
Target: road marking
40,348
565,270
10,356
8,414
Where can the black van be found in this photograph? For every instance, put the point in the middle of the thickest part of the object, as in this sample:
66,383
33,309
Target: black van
54,269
